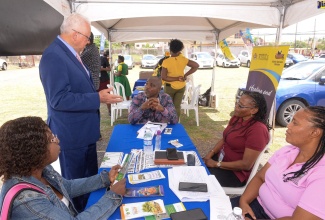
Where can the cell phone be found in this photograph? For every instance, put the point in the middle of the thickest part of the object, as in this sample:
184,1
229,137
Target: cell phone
193,187
192,214
172,154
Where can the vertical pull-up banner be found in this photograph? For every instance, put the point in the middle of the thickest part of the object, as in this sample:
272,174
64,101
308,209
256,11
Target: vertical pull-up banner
265,71
225,49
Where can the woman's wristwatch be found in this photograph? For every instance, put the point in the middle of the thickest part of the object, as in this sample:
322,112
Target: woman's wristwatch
219,164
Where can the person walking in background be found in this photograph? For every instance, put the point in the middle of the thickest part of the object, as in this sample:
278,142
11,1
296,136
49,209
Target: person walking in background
120,76
232,158
172,73
72,101
152,105
105,69
90,57
27,148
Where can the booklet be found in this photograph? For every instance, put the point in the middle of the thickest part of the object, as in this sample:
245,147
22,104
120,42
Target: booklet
145,191
145,177
111,159
142,209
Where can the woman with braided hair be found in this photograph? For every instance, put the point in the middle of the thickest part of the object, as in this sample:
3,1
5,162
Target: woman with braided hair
246,135
291,184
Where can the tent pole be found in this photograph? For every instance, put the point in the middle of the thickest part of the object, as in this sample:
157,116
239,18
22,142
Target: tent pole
111,59
214,97
279,29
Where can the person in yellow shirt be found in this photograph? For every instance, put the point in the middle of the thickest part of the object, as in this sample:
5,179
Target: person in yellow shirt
172,73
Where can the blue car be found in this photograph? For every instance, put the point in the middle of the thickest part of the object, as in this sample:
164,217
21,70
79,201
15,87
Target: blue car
296,57
301,85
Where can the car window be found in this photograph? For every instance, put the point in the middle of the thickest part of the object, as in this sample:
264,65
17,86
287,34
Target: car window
319,75
149,57
302,70
203,55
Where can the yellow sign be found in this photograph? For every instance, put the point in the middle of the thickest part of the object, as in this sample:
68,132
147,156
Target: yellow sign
225,49
266,69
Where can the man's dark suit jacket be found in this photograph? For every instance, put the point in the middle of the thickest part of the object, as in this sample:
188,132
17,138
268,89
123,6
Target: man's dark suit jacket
72,101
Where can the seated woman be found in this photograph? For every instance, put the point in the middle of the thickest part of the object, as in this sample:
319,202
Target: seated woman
291,184
27,148
246,135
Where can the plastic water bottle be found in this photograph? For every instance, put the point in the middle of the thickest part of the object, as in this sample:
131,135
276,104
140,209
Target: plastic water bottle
147,142
237,214
158,140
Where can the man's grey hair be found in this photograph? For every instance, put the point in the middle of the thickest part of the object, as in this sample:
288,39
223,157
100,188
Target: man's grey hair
73,21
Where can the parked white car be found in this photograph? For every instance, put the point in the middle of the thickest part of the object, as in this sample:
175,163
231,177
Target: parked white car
225,62
148,61
204,59
3,64
245,58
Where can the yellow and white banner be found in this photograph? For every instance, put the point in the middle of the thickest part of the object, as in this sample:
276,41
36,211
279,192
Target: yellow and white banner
265,71
225,49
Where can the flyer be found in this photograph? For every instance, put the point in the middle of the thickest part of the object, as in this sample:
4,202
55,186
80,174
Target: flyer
145,191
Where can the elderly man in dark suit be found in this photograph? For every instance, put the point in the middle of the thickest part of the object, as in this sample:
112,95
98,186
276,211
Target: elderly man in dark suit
72,101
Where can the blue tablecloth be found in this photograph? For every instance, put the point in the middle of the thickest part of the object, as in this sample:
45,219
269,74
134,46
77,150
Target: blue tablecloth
139,82
123,139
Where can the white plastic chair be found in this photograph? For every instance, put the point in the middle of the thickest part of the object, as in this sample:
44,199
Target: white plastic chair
187,95
240,190
194,105
118,107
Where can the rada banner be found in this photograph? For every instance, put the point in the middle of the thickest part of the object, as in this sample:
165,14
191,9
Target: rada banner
265,72
225,49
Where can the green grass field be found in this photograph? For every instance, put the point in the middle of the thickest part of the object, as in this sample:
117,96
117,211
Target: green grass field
21,94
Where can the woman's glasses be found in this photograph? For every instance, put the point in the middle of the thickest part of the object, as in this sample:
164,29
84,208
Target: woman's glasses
55,139
242,106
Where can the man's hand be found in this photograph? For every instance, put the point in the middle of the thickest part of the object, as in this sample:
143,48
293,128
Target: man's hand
106,97
119,187
113,173
145,105
155,104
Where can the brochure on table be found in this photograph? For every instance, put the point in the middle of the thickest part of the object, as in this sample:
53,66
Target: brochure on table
153,126
111,159
141,209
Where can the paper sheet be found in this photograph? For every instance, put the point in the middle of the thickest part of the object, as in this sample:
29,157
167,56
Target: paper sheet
220,206
153,126
195,174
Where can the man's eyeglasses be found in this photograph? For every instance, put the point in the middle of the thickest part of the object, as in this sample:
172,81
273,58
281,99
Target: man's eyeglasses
88,38
55,139
242,106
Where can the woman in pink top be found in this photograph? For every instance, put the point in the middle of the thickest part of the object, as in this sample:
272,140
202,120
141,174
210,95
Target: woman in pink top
291,184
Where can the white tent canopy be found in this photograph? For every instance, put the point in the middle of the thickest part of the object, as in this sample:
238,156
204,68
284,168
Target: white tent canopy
27,27
196,20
